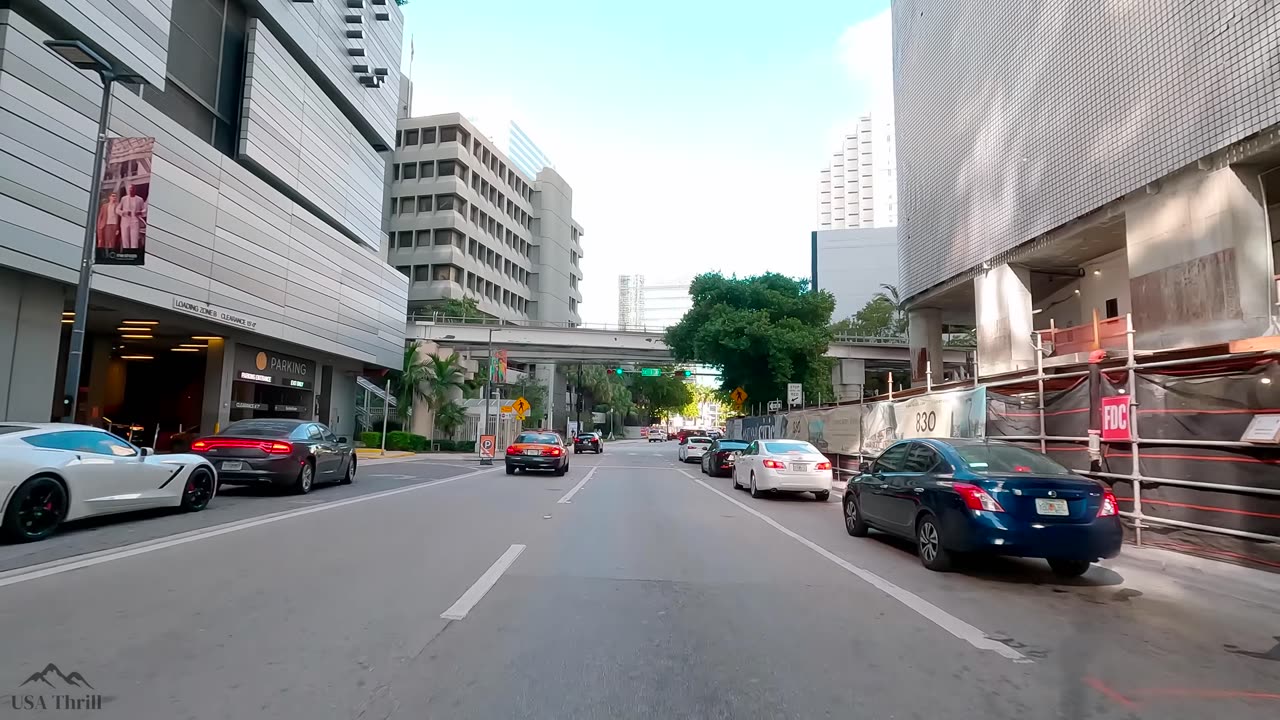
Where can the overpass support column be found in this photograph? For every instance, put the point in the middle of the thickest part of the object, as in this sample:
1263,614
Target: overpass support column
848,376
545,374
924,331
1003,299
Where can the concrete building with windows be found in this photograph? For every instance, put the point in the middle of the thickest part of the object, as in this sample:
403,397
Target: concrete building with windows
647,305
466,222
264,289
858,188
1053,182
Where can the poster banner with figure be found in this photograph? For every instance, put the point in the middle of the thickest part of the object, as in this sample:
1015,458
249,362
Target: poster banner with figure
121,222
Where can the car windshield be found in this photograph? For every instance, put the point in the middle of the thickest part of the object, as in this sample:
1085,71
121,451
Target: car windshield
789,447
1002,459
260,428
538,439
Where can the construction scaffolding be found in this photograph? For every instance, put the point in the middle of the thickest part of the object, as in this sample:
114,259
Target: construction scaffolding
1185,479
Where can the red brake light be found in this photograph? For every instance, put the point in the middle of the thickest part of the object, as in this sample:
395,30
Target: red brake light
200,445
553,452
274,447
1109,505
511,450
279,448
1021,468
774,464
822,466
975,498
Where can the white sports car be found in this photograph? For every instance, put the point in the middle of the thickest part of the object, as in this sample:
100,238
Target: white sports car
51,472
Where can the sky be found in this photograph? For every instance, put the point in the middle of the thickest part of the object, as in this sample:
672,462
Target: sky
692,132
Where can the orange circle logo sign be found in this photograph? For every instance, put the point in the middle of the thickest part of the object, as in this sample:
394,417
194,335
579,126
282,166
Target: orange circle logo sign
261,361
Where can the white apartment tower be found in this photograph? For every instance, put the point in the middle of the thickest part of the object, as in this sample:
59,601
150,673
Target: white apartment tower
859,187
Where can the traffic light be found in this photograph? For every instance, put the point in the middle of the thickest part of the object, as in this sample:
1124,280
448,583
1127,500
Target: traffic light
617,371
686,373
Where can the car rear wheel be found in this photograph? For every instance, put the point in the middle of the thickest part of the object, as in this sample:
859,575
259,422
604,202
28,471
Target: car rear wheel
734,475
35,510
929,545
562,469
199,490
306,478
755,492
350,477
1069,568
511,470
823,496
853,522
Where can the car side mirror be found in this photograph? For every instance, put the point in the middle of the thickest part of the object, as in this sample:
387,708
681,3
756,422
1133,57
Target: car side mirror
864,467
145,451
342,441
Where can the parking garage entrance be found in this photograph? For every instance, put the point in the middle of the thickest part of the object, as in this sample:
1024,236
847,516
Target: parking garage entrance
271,384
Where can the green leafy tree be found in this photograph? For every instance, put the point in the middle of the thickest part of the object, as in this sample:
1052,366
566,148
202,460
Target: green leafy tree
464,308
760,332
609,390
966,339
441,375
877,318
449,417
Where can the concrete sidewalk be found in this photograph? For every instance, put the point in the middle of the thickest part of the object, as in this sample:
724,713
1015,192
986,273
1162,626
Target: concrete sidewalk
1201,580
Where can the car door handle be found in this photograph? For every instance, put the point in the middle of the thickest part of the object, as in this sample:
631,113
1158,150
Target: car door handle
917,490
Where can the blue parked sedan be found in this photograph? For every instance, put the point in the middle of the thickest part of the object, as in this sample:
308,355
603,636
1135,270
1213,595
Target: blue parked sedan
984,496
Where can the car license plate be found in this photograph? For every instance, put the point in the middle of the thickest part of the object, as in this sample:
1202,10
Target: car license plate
1046,506
799,467
232,465
532,452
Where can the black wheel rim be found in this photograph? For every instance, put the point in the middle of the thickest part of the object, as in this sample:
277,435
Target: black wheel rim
42,509
199,490
306,477
928,541
850,515
351,470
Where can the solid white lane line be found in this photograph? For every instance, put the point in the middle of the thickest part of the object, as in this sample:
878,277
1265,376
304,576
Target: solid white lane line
56,567
926,609
476,592
568,497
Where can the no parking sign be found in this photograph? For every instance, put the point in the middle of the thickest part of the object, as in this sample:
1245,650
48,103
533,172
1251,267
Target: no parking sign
487,446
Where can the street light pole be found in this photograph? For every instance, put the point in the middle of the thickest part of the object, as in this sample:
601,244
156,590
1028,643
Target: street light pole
488,392
83,57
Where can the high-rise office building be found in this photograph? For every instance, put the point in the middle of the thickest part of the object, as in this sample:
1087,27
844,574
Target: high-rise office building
465,222
262,289
645,305
858,189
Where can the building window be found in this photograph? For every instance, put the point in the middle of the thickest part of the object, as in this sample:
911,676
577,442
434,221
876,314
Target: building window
475,148
429,136
449,133
404,270
444,272
410,171
475,214
410,137
471,247
443,236
422,273
205,77
406,239
447,168
395,171
423,238
573,281
399,138
424,203
426,168
406,206
395,203
450,202
1113,308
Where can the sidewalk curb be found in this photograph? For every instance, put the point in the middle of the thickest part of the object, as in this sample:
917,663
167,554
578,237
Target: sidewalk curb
1204,576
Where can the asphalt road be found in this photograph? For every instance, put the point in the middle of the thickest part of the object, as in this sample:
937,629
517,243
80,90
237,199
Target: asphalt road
633,587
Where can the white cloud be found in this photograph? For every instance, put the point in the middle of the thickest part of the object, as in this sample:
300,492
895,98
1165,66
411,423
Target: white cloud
866,52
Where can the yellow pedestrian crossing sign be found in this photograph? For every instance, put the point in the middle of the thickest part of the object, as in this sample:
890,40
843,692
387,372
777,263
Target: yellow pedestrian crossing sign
738,396
521,406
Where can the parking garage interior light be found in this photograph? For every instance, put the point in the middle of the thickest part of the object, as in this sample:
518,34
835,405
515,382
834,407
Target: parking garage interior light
68,321
206,337
138,337
137,357
183,349
139,322
193,346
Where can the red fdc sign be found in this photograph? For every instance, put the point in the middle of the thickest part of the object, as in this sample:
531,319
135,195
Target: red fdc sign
1115,418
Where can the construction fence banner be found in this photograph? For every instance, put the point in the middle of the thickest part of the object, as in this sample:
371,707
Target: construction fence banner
868,429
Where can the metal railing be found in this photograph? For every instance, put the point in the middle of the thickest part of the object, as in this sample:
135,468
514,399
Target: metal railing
429,317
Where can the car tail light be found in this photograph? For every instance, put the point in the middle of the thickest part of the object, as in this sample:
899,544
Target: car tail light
511,450
1109,505
274,447
553,452
776,465
975,498
822,466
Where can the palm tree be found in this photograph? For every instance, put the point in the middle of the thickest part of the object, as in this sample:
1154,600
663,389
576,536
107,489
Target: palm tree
890,293
409,383
441,374
449,417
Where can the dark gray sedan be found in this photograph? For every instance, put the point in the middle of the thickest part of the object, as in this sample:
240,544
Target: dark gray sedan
294,454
